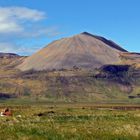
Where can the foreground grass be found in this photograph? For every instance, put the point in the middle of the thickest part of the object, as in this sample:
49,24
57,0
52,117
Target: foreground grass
74,122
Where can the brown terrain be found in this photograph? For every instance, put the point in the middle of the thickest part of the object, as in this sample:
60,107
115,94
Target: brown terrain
81,68
83,51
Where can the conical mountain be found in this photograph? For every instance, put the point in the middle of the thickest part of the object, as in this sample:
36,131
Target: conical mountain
83,51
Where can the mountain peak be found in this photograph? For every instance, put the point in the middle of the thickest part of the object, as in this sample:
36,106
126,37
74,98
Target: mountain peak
84,50
106,41
86,33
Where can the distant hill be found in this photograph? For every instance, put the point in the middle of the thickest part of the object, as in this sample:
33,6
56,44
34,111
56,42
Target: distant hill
81,68
84,50
8,55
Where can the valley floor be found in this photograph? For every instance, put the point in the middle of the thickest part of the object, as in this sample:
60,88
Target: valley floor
71,121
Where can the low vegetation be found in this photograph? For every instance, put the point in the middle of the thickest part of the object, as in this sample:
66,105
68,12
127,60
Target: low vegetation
71,121
72,86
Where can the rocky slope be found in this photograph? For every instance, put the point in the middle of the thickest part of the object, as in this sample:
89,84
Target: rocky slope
81,68
83,51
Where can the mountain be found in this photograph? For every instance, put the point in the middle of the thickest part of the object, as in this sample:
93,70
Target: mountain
84,51
9,61
81,68
8,55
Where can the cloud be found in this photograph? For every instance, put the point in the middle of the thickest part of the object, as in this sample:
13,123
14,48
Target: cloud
7,47
12,18
36,32
6,27
21,24
18,49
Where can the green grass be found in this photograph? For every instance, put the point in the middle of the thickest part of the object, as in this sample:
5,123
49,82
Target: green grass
69,122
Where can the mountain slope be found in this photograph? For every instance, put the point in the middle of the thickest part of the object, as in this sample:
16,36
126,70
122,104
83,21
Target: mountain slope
83,51
116,80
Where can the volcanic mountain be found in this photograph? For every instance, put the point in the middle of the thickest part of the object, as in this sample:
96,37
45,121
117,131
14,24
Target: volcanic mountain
83,51
88,68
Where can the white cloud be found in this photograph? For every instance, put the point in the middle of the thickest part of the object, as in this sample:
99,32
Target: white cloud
18,49
11,27
20,24
26,13
11,18
36,32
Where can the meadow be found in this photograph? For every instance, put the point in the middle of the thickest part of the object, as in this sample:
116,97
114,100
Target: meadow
67,121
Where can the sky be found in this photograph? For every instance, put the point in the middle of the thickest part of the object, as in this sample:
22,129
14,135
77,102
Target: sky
26,26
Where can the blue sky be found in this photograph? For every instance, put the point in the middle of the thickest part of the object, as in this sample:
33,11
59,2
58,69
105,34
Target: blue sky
28,25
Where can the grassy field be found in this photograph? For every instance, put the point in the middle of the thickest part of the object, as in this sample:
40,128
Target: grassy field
71,121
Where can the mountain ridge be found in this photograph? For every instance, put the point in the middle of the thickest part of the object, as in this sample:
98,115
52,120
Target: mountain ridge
109,42
84,69
83,50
